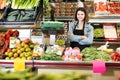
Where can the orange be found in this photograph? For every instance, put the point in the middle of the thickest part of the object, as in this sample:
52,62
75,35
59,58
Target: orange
63,57
10,54
19,51
29,58
34,54
18,45
12,58
22,55
72,57
6,53
14,50
27,40
15,55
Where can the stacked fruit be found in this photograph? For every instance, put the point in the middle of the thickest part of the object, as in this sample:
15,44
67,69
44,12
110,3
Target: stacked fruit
100,6
72,54
115,56
114,7
24,49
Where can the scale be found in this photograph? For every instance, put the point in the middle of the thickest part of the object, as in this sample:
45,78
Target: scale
52,28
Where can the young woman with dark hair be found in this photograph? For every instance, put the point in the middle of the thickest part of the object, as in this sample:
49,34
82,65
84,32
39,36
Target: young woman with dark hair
80,32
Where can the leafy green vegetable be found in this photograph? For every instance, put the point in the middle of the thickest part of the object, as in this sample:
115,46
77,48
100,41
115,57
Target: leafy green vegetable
24,4
60,42
91,53
51,56
98,32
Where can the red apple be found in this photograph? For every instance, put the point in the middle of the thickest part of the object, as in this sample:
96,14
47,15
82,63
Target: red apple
27,40
9,50
79,57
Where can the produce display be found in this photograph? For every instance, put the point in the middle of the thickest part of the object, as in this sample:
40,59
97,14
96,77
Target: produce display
114,7
5,39
28,75
100,6
24,49
20,11
98,32
26,10
60,42
21,15
52,53
11,47
91,53
115,56
72,54
24,4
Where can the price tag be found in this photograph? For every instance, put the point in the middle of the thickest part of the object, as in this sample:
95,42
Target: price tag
19,64
37,49
99,66
13,42
52,39
110,31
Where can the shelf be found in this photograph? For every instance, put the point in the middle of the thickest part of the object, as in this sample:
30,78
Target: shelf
61,18
36,25
57,64
105,19
19,23
95,19
113,43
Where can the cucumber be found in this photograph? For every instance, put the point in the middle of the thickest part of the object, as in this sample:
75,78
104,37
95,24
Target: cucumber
18,17
25,18
29,13
13,13
11,18
22,13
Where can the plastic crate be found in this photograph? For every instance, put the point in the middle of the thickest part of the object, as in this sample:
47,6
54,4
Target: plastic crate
51,25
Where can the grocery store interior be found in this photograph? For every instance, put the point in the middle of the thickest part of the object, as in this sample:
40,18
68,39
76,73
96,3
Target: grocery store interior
34,41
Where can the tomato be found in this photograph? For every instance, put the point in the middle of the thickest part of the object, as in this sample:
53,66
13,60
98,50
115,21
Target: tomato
27,40
9,32
79,57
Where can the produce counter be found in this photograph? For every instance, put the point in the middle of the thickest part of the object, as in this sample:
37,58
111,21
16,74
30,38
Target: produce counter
58,64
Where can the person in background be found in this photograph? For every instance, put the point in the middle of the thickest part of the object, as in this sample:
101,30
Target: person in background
80,33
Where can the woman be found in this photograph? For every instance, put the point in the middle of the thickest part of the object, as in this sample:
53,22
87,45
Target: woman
80,32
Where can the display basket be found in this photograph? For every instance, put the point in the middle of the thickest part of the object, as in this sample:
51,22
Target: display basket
51,25
13,16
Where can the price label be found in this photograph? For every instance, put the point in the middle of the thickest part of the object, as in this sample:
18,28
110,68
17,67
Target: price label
13,42
99,66
19,64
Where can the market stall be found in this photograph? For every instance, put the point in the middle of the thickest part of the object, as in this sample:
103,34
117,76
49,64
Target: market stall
46,50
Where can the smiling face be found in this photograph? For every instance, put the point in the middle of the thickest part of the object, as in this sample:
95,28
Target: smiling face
80,15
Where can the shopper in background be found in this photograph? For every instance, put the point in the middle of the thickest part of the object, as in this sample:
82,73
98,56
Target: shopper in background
80,32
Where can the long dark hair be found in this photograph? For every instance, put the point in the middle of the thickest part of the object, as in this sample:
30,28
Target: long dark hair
83,9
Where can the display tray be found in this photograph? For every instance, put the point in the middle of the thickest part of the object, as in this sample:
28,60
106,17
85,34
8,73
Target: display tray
51,25
101,39
20,16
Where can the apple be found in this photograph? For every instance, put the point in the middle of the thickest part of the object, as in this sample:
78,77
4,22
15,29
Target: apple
9,50
79,57
27,40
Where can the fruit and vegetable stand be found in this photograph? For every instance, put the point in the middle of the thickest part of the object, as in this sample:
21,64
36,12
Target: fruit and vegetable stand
54,57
